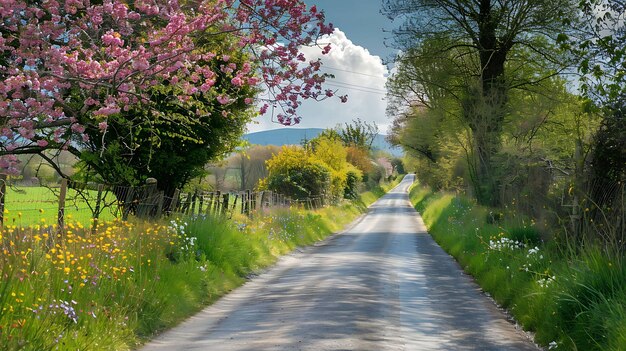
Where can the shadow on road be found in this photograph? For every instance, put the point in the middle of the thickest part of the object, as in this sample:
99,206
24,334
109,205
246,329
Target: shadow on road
384,284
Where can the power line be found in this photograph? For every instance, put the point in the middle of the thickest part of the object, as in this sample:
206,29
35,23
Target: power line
357,89
357,86
345,70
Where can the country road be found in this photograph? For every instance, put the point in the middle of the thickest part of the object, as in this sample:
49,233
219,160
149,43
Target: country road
382,284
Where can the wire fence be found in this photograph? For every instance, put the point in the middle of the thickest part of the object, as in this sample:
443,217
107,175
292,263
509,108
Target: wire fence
244,202
91,203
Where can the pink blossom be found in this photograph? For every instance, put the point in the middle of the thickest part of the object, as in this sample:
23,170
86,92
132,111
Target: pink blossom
107,110
112,39
105,57
223,99
77,128
237,81
140,64
263,109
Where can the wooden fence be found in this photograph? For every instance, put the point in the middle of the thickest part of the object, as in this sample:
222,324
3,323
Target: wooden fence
244,202
149,202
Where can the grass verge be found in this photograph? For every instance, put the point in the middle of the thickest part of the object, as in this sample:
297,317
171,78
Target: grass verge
570,299
115,288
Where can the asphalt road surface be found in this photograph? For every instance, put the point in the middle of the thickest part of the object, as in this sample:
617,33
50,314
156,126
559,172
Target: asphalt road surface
382,284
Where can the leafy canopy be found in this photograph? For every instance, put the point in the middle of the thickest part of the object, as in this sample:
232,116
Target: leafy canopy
62,61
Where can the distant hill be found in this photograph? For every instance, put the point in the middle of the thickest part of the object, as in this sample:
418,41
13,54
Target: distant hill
295,136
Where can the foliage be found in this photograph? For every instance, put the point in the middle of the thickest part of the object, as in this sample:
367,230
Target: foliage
345,175
115,287
597,188
360,158
546,139
375,176
296,173
93,60
474,53
138,144
398,165
36,167
598,198
570,299
138,277
600,48
329,151
321,168
353,179
251,163
359,134
609,153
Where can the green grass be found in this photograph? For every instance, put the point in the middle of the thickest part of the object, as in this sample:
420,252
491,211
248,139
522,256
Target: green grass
573,299
115,288
26,206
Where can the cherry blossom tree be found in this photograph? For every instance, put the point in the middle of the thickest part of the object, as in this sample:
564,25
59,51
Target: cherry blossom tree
65,59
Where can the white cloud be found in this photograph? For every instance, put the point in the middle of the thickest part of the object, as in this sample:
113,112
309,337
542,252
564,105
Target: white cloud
358,74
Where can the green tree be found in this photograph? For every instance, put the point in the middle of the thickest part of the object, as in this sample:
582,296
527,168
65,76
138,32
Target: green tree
251,164
173,145
359,133
296,173
332,153
601,49
597,192
398,165
473,44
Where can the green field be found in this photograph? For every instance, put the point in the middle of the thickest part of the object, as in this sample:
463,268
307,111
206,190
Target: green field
26,206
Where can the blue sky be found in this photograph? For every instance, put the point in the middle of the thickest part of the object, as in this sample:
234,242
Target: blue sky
356,60
361,21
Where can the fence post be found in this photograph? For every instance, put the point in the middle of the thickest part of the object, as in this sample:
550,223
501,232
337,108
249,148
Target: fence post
3,191
128,203
216,203
248,200
243,202
262,201
146,205
159,209
209,203
174,202
225,204
96,212
193,202
201,203
61,212
232,209
184,207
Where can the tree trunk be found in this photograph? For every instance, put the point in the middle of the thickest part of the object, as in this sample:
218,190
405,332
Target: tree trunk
485,109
